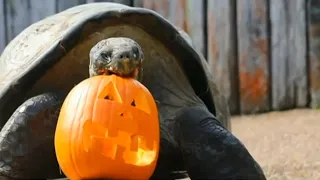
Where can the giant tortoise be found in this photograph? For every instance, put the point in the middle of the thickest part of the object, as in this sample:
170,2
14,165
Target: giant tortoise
46,60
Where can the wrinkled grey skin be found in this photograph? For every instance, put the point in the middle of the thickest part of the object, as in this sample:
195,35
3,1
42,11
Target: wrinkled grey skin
121,56
206,149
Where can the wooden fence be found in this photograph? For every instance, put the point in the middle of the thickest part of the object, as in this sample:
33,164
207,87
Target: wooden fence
264,54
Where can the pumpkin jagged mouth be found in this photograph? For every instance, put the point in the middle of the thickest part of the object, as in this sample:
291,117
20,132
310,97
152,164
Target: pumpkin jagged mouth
132,149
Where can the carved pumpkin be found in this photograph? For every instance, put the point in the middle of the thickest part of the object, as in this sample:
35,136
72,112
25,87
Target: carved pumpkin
108,127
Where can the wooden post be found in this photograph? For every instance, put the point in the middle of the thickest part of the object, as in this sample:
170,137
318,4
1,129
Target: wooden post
185,14
222,49
41,9
289,64
126,2
194,24
253,53
66,4
17,17
3,38
314,51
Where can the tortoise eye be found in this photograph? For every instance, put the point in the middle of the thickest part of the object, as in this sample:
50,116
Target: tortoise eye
135,51
106,55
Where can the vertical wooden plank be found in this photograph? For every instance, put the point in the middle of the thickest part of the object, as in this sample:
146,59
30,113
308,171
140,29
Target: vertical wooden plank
126,2
138,3
2,27
185,14
17,16
253,53
66,4
160,6
314,51
41,9
289,80
298,53
177,13
194,23
222,49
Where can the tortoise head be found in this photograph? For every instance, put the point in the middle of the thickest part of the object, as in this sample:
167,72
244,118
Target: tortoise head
118,55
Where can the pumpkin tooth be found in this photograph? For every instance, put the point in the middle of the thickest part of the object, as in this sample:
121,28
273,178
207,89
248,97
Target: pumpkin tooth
109,149
112,132
119,154
134,144
150,144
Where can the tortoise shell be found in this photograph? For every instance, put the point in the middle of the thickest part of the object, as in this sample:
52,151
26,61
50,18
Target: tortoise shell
53,55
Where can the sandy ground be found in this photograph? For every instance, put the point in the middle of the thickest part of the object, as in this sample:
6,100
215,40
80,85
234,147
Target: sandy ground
286,144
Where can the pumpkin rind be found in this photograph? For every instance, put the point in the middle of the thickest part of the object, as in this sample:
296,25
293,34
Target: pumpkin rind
108,127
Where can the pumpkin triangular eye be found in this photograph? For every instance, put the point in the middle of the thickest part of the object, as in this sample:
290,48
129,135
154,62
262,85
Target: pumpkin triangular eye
111,93
133,103
108,97
91,129
140,101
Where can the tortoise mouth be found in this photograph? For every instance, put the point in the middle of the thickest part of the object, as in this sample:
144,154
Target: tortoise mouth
134,73
108,72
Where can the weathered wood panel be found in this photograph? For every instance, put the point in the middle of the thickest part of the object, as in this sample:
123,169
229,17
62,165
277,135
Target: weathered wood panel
185,14
289,80
194,24
253,53
298,53
160,6
138,3
126,2
17,13
2,27
41,9
65,4
314,51
222,49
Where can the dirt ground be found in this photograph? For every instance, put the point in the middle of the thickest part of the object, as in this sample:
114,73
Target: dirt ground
286,144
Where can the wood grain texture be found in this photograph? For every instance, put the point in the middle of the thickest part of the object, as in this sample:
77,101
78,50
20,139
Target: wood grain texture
289,75
41,9
160,6
253,55
65,4
137,3
17,17
194,23
2,27
222,49
184,14
126,2
314,51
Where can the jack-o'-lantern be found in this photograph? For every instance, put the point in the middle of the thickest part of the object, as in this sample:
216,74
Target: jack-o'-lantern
108,127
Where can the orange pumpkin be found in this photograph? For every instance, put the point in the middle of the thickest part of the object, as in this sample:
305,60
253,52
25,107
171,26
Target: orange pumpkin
108,127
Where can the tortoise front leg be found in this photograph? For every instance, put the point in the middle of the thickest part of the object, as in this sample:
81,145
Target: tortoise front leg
210,151
27,140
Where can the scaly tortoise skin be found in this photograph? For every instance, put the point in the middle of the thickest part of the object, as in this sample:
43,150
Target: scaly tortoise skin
41,65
